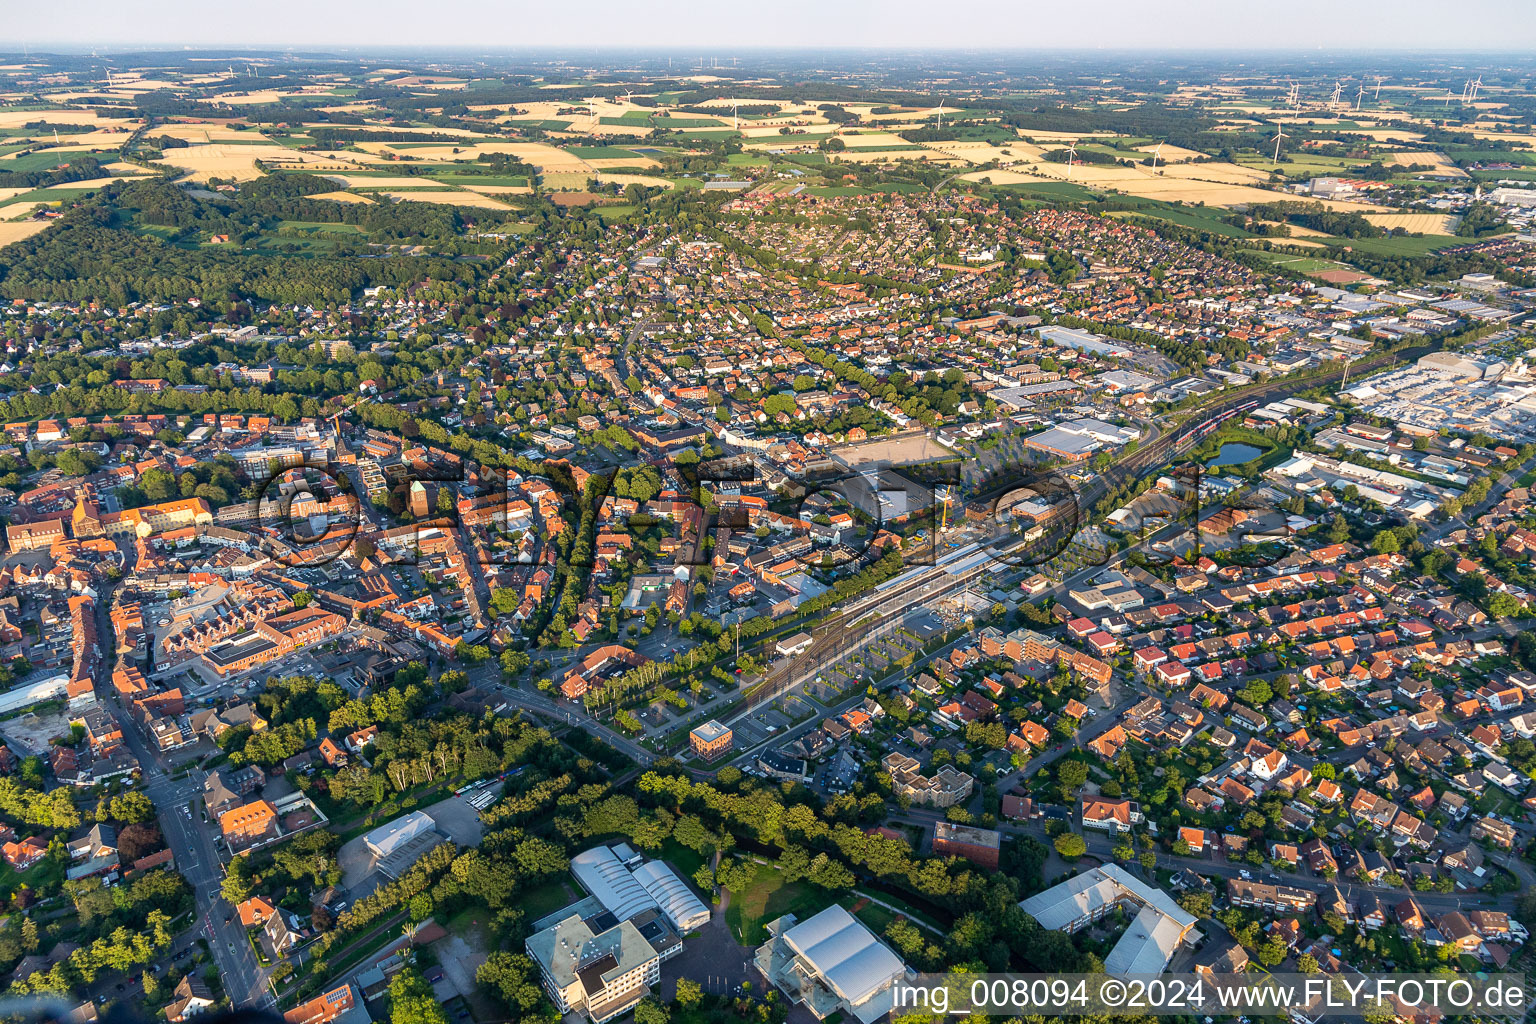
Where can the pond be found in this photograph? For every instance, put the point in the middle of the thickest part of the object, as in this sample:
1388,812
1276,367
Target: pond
1235,454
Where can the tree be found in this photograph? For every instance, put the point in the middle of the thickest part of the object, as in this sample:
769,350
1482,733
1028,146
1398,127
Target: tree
514,978
1071,775
1272,952
411,1000
1386,542
688,993
1071,845
649,1011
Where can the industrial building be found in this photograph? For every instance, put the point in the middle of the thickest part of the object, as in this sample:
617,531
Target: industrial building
831,963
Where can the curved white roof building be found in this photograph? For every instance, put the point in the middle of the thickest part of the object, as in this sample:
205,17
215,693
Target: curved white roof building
613,885
683,909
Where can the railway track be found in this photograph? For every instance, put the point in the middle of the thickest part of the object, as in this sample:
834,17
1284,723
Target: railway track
844,631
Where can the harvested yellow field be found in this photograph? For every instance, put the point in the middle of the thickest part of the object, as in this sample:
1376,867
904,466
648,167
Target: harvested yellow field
342,197
501,190
570,179
538,154
448,197
230,160
854,156
204,132
1297,231
1004,177
1226,173
1439,161
261,96
17,230
1387,134
1178,184
1421,223
975,152
379,181
12,193
88,183
603,163
1041,136
19,118
633,179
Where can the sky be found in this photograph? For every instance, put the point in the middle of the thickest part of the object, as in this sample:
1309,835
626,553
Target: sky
721,25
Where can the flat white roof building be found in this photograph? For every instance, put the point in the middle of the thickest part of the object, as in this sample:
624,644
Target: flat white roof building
1160,928
387,839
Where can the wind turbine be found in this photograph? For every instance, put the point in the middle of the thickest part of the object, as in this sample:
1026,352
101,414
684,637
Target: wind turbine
1447,96
1377,96
1477,87
1156,152
1071,156
735,122
1279,134
941,113
1360,96
1338,89
592,108
627,94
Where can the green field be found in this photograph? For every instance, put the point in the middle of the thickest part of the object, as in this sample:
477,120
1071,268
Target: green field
309,227
548,125
47,159
1301,264
1501,156
903,187
1521,174
602,152
768,898
1401,245
46,195
513,180
1199,219
1052,190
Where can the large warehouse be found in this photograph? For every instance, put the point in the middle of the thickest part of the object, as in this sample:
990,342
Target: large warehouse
625,887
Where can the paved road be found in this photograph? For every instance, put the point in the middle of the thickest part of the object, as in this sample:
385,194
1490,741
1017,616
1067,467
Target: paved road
487,676
192,845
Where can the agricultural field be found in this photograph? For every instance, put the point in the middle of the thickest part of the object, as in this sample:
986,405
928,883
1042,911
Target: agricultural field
1418,223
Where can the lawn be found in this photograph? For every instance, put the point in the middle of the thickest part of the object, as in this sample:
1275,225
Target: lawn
686,862
768,898
1300,264
548,898
43,877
